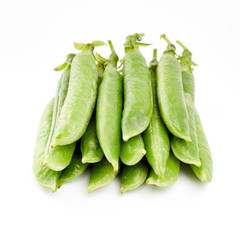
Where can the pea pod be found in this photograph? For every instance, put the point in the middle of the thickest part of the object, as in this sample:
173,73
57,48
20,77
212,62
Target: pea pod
90,148
102,174
109,110
73,170
81,97
170,94
204,173
170,176
59,157
156,139
184,151
43,174
133,176
138,103
132,151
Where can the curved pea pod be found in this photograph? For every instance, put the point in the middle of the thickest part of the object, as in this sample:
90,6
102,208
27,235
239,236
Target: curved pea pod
59,157
132,151
170,94
184,151
108,112
204,173
90,148
73,170
102,174
81,97
156,138
170,176
138,103
43,174
133,176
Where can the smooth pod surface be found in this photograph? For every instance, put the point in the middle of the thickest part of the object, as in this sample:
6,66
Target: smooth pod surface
184,151
171,97
43,174
108,114
132,151
80,100
102,174
204,173
134,176
59,157
73,170
138,103
90,147
170,176
156,138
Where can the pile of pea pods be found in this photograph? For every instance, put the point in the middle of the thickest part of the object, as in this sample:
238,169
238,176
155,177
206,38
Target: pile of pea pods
122,117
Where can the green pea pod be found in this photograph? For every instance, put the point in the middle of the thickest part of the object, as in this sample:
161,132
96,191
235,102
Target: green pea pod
133,176
43,174
59,157
132,151
138,101
81,97
73,170
102,174
109,110
90,148
170,176
204,173
184,151
156,139
170,94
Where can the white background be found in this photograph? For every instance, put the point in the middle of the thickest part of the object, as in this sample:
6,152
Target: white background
35,37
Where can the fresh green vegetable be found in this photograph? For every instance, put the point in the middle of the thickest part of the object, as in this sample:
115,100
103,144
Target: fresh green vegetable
90,148
138,102
81,97
59,157
73,170
102,174
133,176
170,94
109,111
184,151
43,174
132,151
156,139
122,113
170,176
204,173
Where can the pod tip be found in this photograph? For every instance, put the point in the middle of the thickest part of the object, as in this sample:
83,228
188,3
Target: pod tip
144,152
89,189
125,139
122,190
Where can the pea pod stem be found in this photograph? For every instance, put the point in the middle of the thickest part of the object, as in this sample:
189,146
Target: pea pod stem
165,38
155,54
170,48
111,46
88,46
181,44
133,41
68,61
